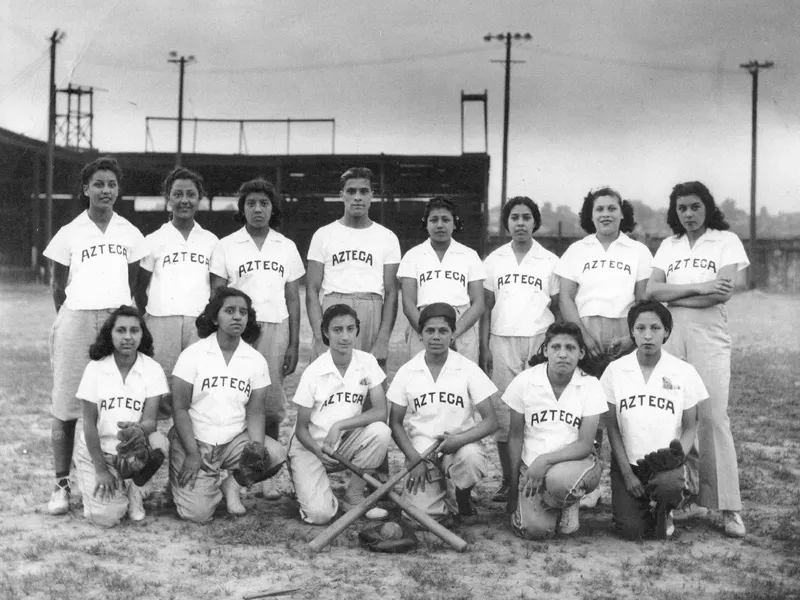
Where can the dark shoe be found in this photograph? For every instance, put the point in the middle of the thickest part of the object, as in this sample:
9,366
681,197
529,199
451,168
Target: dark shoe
501,495
464,502
150,468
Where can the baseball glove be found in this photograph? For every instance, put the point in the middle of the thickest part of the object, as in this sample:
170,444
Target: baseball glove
254,465
132,450
388,537
664,476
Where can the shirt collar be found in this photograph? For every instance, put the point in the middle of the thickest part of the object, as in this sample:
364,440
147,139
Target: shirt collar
536,250
709,235
454,248
109,365
241,236
453,361
85,220
623,239
539,377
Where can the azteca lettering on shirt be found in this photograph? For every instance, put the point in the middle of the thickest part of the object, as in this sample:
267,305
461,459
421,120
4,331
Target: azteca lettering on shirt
174,258
430,398
259,265
694,263
224,381
120,402
517,278
606,264
348,397
103,249
552,415
442,274
643,400
346,255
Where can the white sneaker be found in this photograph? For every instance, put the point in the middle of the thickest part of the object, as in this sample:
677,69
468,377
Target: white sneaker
270,490
230,489
670,524
569,522
591,499
135,506
689,511
59,500
734,526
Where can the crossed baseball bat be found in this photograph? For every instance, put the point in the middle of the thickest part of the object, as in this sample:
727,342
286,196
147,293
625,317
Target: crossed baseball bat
355,513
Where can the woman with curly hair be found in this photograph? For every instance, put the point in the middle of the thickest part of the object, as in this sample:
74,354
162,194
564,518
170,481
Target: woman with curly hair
218,391
694,272
120,389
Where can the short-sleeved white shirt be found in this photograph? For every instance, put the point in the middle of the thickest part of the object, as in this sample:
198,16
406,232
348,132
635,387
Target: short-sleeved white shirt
712,251
650,414
98,262
354,258
552,424
606,278
447,404
220,392
522,290
261,274
119,400
442,281
180,284
332,397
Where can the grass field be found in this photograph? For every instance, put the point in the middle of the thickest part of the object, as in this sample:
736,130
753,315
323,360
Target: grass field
64,557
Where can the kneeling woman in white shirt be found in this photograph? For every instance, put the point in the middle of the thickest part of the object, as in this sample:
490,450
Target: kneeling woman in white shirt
219,386
330,399
652,399
120,388
442,390
555,408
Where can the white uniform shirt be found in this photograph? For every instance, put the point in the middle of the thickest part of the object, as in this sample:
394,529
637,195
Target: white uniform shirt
180,282
605,278
552,424
447,404
354,258
98,262
332,397
712,251
445,280
221,392
650,414
521,290
261,274
119,400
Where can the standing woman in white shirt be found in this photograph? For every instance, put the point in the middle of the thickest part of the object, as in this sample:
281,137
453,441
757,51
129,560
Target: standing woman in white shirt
441,269
173,284
602,275
520,280
694,273
265,265
94,259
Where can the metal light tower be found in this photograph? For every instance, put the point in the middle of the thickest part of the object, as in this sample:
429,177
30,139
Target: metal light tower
506,37
181,61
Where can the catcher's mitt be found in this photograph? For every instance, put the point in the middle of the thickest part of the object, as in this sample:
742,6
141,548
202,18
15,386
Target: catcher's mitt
133,452
254,465
664,477
388,537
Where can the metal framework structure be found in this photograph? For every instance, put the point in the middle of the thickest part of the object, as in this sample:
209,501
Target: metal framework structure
74,128
476,98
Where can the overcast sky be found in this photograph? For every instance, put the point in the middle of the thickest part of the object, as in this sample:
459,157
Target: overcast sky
638,94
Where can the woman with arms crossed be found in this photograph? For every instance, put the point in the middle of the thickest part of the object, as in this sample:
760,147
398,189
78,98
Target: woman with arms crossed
95,259
520,280
694,272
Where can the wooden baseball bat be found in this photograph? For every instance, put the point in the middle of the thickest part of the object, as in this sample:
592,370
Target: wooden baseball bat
355,513
422,517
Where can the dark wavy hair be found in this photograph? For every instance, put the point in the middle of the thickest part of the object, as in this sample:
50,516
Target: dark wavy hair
446,203
259,185
104,346
357,173
337,310
207,321
516,201
645,306
626,225
183,173
104,163
715,218
585,364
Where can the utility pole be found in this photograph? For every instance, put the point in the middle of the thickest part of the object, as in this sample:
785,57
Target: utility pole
506,37
55,39
753,67
182,61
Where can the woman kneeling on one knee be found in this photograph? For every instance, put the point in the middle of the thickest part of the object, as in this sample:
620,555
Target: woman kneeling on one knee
120,389
652,399
441,389
219,386
555,408
330,399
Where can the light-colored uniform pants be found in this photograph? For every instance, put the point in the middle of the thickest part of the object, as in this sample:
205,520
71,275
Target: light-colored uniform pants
171,335
365,448
466,344
510,356
700,337
199,503
611,333
368,307
464,469
106,512
272,344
